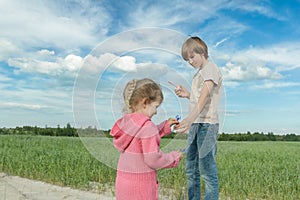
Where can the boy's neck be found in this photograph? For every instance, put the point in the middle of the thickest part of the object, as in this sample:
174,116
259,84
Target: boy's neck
205,62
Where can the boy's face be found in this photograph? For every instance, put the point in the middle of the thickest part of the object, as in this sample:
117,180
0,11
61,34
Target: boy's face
196,60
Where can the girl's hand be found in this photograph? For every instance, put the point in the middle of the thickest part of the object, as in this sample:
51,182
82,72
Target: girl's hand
182,92
172,121
177,157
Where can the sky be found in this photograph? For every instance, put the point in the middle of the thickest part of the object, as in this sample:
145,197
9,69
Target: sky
67,61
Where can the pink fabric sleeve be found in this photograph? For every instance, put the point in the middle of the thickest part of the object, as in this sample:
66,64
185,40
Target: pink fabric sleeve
164,128
153,156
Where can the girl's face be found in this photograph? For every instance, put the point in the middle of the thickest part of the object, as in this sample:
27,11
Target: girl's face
196,60
150,109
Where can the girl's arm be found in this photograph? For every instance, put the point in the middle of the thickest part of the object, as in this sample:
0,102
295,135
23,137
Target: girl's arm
158,159
165,127
153,156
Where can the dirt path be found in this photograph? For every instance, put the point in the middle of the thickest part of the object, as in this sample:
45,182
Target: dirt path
16,188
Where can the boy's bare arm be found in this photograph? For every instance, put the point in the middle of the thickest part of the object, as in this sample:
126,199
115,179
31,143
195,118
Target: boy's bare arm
205,94
185,124
182,92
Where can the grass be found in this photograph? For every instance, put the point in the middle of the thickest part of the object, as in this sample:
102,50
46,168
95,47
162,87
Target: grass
247,170
260,170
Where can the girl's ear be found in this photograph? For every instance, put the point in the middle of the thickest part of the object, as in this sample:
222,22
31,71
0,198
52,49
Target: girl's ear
145,101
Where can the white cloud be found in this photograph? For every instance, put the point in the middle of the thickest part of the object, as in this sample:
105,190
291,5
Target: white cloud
220,42
52,23
162,14
121,64
233,113
35,106
125,63
108,61
231,84
284,56
7,49
53,99
151,16
263,8
70,63
46,52
270,85
22,105
4,78
266,63
243,68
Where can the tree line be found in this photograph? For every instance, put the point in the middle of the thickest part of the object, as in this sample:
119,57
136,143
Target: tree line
258,137
70,131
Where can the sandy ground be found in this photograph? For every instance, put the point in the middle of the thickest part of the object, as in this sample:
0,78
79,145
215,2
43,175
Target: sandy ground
16,188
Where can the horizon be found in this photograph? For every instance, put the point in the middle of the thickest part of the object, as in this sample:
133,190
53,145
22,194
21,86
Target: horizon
103,130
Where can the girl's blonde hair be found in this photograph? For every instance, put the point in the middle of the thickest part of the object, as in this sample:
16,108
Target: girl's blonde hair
137,90
193,45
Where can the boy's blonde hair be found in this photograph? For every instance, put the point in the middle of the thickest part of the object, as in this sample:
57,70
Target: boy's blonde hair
193,45
137,90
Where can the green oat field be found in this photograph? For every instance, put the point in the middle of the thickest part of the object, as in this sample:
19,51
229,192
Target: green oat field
247,170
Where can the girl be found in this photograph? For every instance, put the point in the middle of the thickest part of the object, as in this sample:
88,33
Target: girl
138,140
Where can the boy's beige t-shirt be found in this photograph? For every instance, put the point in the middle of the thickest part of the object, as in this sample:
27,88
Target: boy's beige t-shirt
209,114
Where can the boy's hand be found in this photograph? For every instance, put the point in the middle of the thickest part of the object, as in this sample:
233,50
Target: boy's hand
182,127
182,92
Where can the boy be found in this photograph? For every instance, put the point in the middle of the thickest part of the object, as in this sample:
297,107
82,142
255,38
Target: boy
202,121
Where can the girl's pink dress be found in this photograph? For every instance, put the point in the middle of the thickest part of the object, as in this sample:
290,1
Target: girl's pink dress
138,140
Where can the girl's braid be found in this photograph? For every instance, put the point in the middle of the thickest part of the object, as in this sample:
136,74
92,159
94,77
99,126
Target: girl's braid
129,91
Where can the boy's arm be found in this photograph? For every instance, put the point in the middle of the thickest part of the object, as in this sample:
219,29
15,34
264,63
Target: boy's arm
185,124
182,92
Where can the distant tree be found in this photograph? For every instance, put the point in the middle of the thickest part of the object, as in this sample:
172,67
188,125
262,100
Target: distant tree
223,137
69,131
290,137
271,136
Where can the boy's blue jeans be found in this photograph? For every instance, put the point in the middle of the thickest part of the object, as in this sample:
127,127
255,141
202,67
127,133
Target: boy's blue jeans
201,162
